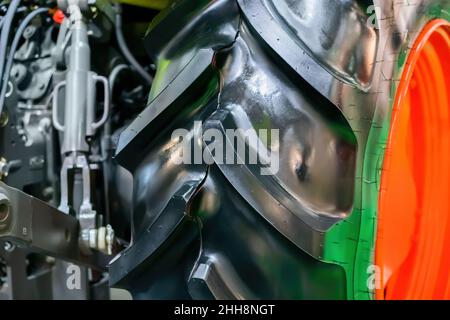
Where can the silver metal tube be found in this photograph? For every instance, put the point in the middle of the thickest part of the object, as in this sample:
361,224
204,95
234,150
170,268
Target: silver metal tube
76,86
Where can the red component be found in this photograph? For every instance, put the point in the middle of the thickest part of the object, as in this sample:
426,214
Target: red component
413,238
58,16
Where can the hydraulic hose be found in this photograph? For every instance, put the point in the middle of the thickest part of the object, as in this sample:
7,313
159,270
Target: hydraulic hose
7,22
124,48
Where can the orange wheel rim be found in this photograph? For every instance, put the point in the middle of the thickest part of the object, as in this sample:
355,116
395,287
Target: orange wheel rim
413,234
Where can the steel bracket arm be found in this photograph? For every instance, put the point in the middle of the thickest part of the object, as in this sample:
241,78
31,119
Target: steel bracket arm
34,224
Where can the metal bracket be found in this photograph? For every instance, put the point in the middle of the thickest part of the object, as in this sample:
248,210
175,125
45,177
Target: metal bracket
32,223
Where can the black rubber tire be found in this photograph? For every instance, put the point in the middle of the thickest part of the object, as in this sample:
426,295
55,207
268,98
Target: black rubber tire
226,231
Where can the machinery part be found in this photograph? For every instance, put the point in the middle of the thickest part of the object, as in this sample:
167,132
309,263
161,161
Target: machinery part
80,125
91,124
415,181
22,270
33,153
26,129
75,106
13,49
55,117
309,230
33,65
29,222
5,32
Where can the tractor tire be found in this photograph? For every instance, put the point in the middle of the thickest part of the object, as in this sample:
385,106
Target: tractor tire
350,211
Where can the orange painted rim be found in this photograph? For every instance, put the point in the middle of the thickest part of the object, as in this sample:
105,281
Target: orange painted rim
413,234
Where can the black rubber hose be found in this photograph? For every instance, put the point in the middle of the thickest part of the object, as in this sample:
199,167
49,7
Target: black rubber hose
124,48
7,22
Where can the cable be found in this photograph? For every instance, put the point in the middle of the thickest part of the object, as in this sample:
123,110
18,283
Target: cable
6,27
114,73
13,49
124,48
112,80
